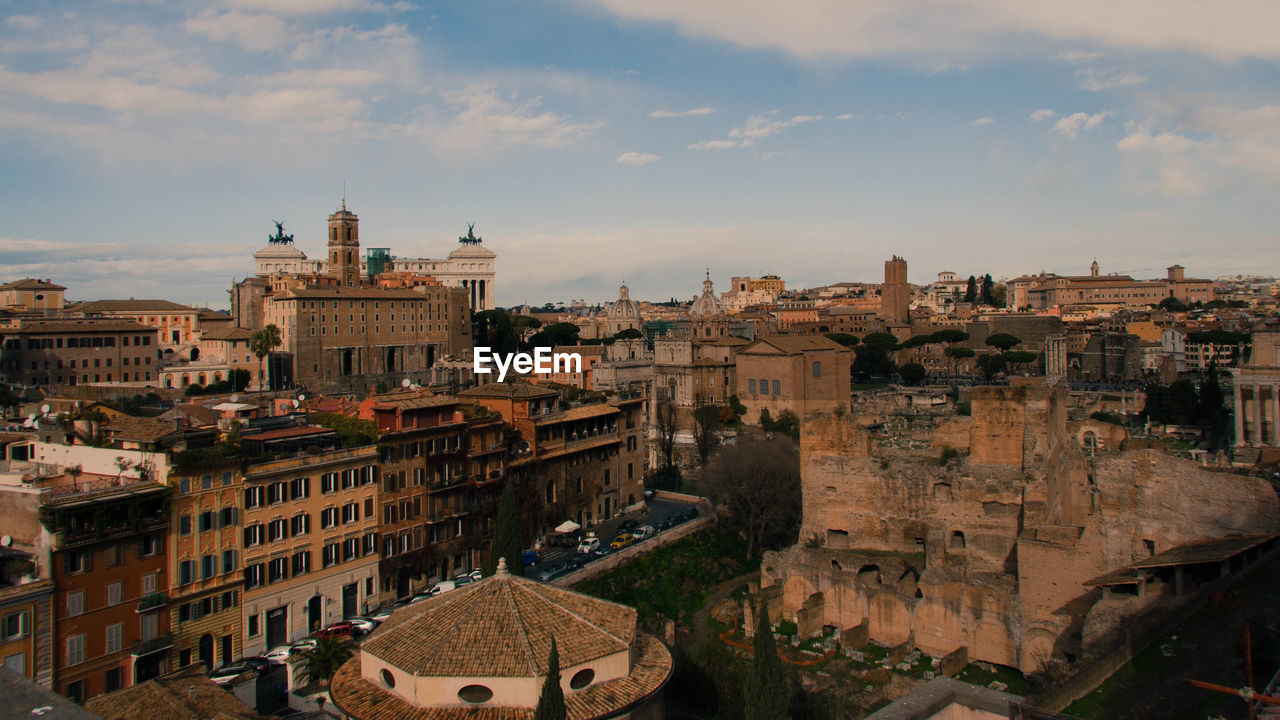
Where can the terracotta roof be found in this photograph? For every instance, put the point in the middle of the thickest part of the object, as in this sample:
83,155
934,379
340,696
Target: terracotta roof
232,333
796,344
650,669
501,627
411,400
141,429
576,413
1202,551
131,305
86,325
183,695
293,432
355,293
30,284
521,389
23,698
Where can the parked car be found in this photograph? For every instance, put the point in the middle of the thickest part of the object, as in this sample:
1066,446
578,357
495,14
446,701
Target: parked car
344,629
622,540
255,663
463,580
529,557
687,513
588,545
644,532
665,523
600,552
627,525
364,626
224,676
441,587
303,645
475,574
551,571
424,595
277,655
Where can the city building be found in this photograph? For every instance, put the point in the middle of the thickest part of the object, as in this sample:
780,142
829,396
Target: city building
895,293
1048,290
1257,393
71,352
800,374
624,314
310,538
177,326
31,295
482,650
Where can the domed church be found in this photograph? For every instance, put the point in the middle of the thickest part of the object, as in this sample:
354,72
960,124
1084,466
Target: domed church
622,315
480,652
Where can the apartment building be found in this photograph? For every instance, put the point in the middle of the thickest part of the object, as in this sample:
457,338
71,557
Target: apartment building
65,353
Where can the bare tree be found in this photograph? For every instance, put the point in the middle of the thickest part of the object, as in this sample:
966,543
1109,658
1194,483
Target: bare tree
757,479
706,421
665,420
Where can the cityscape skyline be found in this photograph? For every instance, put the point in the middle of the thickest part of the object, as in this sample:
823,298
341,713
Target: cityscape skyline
148,147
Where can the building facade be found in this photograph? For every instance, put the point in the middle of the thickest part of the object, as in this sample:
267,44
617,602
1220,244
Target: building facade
66,353
799,374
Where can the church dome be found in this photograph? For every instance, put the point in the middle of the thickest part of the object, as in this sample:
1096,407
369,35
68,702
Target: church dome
624,310
482,649
707,305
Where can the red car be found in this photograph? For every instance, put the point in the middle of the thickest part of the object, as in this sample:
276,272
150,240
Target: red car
342,629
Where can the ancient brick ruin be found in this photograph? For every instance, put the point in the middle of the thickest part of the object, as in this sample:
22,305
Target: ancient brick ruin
1006,536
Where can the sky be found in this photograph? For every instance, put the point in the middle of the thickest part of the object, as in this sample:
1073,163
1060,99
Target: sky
147,146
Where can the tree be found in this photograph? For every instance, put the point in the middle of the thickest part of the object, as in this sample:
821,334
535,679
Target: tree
1018,358
1004,342
1173,304
551,702
523,326
555,335
957,353
991,364
971,290
757,479
261,343
666,421
873,360
949,336
881,339
844,339
912,373
628,334
767,694
319,664
987,294
706,421
493,329
506,532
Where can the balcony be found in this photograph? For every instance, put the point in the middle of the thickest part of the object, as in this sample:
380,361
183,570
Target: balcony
152,646
152,602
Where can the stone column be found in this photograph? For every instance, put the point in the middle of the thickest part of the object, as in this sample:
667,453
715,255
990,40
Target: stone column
1275,416
1257,416
1238,392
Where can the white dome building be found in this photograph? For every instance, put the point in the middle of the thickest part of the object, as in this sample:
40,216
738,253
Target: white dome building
624,314
480,652
708,317
279,257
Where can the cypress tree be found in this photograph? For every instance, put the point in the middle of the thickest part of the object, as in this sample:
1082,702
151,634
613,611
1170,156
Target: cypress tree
767,694
551,702
506,533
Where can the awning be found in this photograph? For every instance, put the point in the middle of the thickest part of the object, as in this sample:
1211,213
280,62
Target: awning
568,526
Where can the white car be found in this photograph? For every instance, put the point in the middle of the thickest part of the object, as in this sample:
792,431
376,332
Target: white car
382,615
364,625
644,532
441,587
588,545
277,655
303,645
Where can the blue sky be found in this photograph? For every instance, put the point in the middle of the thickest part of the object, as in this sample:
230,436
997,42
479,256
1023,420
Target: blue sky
146,146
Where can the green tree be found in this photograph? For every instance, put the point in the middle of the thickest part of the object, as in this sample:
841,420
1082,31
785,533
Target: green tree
556,334
628,334
873,360
881,339
987,293
1018,358
757,481
844,339
912,373
506,533
261,343
551,702
1004,342
706,421
949,336
767,694
1173,304
991,364
354,432
956,353
971,290
319,664
493,329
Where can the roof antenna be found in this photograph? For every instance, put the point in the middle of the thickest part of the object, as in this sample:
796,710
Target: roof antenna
344,195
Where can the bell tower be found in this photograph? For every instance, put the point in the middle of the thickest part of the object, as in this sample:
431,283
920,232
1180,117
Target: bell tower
344,246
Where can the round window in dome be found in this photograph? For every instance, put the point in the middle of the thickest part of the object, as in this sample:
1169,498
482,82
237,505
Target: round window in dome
582,678
475,694
388,679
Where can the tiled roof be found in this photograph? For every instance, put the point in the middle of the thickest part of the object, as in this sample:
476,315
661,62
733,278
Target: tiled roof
502,627
231,333
23,698
650,670
520,389
30,284
354,293
131,305
81,325
183,695
576,413
796,344
140,429
411,400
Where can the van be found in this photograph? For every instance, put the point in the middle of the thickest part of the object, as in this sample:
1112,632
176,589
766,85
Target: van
588,545
644,532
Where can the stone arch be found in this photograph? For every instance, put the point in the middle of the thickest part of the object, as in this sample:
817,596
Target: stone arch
888,619
942,492
869,575
795,591
908,583
957,540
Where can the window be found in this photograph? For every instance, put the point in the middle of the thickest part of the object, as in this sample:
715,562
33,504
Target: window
149,583
253,535
777,387
75,690
368,507
150,545
253,626
229,599
275,530
301,562
77,562
328,518
115,636
150,626
276,493
186,571
75,603
817,369
206,481
228,517
330,554
115,592
114,679
208,566
370,543
228,561
350,548
253,575
329,482
17,663
253,497
206,521
300,524
14,626
300,488
278,569
184,525
226,478
350,513
751,386
75,650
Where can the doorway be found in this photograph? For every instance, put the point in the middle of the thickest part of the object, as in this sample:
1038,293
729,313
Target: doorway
315,613
277,626
350,601
206,651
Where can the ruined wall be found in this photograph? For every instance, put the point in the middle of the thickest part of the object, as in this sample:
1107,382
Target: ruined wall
991,551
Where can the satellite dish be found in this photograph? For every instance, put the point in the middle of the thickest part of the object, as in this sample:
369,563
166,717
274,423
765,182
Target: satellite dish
301,398
295,403
77,404
406,383
44,409
6,541
235,397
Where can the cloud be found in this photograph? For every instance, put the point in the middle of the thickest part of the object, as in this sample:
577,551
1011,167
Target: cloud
967,28
252,31
681,113
756,128
1097,82
635,158
1072,125
984,121
1078,56
307,7
1043,114
485,116
23,22
1210,147
846,116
